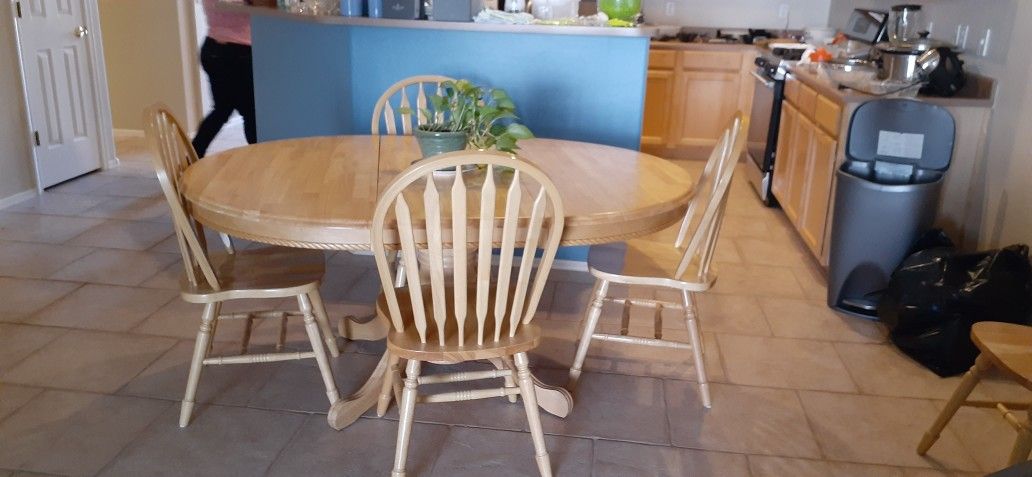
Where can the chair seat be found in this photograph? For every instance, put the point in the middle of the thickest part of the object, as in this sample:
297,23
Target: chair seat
1009,346
267,272
649,260
407,344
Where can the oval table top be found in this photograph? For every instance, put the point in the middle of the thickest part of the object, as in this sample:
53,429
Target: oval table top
320,192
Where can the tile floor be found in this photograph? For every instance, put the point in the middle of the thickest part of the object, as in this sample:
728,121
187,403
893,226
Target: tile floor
94,347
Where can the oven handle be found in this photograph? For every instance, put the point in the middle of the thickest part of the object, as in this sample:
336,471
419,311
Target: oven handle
766,82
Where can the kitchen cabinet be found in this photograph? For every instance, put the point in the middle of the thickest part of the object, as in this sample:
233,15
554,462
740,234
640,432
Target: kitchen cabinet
690,97
805,165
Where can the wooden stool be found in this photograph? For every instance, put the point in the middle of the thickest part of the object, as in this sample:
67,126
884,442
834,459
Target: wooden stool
1008,348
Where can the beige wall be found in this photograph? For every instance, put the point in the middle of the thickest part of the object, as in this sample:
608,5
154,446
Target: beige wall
150,51
16,174
1003,187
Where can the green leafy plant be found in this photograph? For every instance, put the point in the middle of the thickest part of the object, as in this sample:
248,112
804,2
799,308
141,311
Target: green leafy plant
486,115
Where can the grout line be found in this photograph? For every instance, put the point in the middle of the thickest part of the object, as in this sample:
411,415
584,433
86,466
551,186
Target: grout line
290,441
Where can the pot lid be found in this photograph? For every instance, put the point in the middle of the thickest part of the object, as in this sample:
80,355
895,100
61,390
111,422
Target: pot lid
910,47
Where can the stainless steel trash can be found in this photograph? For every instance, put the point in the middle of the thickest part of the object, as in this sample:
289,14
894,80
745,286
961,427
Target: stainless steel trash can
886,196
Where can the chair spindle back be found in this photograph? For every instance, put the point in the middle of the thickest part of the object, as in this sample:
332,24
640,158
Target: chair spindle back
462,216
384,111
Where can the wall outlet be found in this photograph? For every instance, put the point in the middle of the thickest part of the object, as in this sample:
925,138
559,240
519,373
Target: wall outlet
670,8
983,43
783,10
962,35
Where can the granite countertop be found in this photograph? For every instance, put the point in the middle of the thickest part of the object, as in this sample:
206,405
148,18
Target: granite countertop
643,31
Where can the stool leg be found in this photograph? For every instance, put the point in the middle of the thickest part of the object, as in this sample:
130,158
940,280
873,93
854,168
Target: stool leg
960,395
405,412
197,362
1023,444
590,322
323,320
533,416
696,339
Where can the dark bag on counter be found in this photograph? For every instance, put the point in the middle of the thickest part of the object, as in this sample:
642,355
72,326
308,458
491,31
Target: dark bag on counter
935,296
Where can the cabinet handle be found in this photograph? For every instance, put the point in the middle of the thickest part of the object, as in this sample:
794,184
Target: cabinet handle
766,82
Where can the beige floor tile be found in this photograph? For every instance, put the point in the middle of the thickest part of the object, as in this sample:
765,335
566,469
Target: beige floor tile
740,314
620,459
52,229
814,320
984,433
363,448
131,208
103,307
124,234
13,397
54,203
612,406
73,433
221,441
88,184
19,341
783,363
232,385
32,260
179,319
735,226
743,419
880,430
88,361
20,298
917,472
635,360
772,250
470,452
812,280
116,267
167,279
769,466
132,187
757,280
883,370
298,386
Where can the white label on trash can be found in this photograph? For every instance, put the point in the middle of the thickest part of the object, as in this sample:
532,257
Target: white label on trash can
897,144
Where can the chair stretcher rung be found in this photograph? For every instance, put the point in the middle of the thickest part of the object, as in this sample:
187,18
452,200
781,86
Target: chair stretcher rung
259,315
640,341
468,395
259,358
463,376
645,302
1016,406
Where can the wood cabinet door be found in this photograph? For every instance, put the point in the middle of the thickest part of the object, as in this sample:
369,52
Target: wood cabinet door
659,100
818,194
801,155
782,158
708,101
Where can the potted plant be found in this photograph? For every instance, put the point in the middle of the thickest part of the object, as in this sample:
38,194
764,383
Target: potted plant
466,114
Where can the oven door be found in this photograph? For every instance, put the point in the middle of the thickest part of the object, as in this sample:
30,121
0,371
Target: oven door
759,121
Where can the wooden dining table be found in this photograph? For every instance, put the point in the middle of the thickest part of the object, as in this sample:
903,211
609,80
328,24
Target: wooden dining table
320,192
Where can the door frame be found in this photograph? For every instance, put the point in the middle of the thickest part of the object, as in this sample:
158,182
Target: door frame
98,71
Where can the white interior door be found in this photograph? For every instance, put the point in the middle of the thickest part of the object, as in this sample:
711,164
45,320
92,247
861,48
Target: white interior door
60,86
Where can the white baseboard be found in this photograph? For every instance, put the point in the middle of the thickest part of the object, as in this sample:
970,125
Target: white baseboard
14,199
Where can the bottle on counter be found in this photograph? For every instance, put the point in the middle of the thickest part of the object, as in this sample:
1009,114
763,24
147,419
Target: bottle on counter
375,8
515,6
351,8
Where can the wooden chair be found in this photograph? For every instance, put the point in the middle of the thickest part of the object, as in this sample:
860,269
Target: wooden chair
660,262
384,111
211,279
486,317
1006,348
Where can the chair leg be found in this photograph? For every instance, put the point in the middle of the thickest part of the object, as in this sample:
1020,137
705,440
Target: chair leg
960,395
387,388
317,347
399,272
696,340
533,417
323,319
214,326
405,412
1023,443
197,362
500,363
590,322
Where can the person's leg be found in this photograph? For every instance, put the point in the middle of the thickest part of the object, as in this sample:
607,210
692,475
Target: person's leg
214,61
245,95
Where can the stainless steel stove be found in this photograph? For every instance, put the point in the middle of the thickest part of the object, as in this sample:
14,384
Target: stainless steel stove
765,120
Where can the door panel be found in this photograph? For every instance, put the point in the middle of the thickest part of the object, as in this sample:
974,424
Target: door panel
710,100
782,157
59,81
818,194
659,97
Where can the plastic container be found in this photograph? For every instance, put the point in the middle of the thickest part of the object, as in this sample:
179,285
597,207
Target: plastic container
351,8
375,8
627,10
886,196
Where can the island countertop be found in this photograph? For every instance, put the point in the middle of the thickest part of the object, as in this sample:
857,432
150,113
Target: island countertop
643,31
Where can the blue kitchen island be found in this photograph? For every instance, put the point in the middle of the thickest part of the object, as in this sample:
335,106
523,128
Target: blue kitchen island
322,75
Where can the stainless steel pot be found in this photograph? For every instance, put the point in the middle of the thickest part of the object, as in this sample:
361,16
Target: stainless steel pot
906,62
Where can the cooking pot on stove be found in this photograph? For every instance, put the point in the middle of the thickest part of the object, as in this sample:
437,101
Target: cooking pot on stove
908,62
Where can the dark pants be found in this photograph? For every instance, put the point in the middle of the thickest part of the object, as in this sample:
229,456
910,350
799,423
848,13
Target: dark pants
228,66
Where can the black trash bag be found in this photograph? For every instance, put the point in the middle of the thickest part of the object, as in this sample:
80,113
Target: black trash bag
935,296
